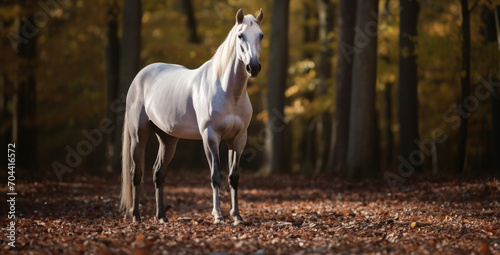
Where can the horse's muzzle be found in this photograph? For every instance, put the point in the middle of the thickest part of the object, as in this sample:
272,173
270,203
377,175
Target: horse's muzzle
253,68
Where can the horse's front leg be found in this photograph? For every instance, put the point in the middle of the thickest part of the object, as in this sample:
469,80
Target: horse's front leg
211,141
236,147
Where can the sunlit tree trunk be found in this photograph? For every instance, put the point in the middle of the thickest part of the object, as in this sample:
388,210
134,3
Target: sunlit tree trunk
187,8
129,60
408,82
278,65
24,117
465,81
112,58
340,124
361,160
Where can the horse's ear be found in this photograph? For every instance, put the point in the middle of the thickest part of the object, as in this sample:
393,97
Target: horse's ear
260,16
239,16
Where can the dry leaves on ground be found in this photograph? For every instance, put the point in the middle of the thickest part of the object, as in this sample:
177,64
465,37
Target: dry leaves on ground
285,214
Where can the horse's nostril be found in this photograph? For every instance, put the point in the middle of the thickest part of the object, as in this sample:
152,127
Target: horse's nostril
248,68
260,67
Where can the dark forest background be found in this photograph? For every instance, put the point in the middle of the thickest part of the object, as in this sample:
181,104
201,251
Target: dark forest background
389,88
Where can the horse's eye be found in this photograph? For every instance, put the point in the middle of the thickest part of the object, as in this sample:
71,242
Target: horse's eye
239,36
261,36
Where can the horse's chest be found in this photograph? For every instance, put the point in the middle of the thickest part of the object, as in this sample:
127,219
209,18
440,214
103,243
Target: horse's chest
230,126
227,118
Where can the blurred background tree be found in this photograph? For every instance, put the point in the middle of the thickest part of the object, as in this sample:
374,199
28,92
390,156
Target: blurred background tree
408,79
340,126
278,56
363,145
72,64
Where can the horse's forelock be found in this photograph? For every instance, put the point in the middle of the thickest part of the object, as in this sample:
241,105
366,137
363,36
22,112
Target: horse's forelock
250,20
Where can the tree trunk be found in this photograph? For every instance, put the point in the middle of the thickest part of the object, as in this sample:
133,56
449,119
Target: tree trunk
361,160
310,31
491,32
340,124
112,58
495,115
129,61
7,90
24,116
131,43
388,125
301,155
465,81
3,111
387,92
495,101
323,128
278,67
408,83
191,26
376,140
325,11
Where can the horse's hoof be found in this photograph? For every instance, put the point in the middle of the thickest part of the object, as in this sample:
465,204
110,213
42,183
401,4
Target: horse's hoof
238,221
219,220
163,220
136,219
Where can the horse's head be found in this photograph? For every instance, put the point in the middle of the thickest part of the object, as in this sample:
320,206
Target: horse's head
249,41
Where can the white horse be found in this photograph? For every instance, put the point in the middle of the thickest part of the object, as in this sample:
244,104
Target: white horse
209,103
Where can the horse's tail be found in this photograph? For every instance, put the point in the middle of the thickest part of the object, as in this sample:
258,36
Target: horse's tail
126,194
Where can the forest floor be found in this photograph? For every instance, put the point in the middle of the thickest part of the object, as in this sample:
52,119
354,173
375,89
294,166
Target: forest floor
285,214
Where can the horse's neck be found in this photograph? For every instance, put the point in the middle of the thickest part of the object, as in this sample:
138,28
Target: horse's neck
234,80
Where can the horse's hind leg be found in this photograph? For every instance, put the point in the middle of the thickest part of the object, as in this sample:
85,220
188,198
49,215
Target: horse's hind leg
235,147
166,152
140,132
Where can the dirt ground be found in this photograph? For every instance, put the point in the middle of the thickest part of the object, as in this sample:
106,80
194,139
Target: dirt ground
285,214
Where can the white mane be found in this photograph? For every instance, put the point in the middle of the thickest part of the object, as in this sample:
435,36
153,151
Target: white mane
226,50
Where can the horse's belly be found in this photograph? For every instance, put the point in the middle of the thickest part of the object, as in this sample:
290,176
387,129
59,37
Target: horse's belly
185,131
182,125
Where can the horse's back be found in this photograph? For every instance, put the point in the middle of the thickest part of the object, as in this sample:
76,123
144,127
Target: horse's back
153,73
147,77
